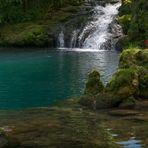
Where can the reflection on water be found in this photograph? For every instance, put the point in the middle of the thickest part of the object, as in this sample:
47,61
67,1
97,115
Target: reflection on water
69,125
40,78
131,143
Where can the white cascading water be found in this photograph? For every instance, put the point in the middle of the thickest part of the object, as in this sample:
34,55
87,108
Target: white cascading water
74,39
96,34
99,27
61,40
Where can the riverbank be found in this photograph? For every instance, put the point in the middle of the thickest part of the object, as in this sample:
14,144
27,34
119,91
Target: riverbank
71,125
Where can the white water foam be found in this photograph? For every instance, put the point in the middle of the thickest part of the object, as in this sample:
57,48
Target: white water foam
99,27
61,40
80,50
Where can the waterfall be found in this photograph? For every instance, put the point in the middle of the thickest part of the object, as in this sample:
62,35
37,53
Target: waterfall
61,40
100,32
74,39
96,34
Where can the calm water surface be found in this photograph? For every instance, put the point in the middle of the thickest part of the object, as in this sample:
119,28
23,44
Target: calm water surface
39,78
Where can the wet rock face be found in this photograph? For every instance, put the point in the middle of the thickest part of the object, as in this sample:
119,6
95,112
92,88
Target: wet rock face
81,26
74,25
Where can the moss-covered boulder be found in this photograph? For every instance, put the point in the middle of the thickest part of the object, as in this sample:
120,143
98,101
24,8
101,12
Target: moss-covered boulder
138,60
94,84
124,83
124,88
128,84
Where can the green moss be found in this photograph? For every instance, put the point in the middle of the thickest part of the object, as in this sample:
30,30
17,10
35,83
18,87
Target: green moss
133,57
121,78
35,36
26,34
133,69
141,58
94,84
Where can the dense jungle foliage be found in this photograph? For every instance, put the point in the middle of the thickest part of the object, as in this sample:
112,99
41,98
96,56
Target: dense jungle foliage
13,11
134,19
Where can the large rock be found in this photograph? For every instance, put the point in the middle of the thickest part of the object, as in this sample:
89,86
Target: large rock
138,60
127,85
94,84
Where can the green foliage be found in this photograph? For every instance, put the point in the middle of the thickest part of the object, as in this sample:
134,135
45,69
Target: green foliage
26,34
143,82
36,36
29,22
125,20
133,17
14,11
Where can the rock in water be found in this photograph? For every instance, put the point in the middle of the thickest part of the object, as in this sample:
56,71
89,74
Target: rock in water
93,87
127,85
94,84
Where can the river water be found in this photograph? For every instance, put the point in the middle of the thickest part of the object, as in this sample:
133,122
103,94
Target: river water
40,78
